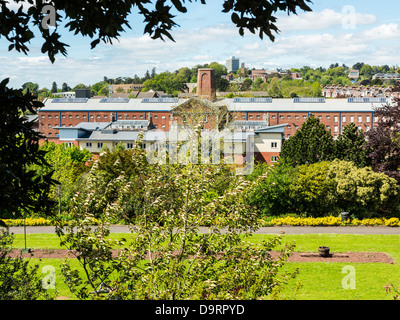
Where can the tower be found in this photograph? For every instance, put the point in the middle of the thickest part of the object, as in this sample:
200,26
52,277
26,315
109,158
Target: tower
206,84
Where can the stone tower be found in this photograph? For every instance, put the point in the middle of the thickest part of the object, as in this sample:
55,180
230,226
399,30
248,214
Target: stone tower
206,84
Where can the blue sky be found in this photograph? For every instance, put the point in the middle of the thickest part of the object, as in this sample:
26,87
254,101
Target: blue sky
336,31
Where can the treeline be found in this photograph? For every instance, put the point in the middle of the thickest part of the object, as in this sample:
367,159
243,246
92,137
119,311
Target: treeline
277,85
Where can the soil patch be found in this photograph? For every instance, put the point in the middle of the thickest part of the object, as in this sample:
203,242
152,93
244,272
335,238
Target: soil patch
348,257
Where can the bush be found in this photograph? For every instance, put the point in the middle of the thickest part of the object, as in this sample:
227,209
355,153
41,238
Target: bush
324,189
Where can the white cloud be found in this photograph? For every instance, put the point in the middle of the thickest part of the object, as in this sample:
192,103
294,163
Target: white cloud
383,32
325,19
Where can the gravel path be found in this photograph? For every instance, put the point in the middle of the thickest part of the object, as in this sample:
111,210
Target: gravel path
379,230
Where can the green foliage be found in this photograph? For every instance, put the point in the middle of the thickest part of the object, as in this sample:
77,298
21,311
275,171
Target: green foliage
22,190
166,257
364,192
67,165
311,143
19,280
352,146
324,189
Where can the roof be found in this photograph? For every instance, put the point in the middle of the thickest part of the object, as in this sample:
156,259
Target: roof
239,105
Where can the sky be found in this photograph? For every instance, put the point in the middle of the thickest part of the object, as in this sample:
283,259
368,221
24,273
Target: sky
344,32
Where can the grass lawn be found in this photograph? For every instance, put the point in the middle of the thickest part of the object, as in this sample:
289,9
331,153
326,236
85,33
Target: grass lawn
318,280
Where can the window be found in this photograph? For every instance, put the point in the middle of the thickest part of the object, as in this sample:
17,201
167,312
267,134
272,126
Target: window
258,117
304,117
91,117
375,119
274,145
320,117
368,119
273,117
133,117
359,118
49,117
243,116
155,117
289,117
141,117
336,129
98,117
119,117
250,117
297,117
336,119
163,117
328,127
344,119
106,117
42,117
63,116
281,117
56,116
274,159
49,126
88,144
163,126
328,117
70,117
84,117
77,117
351,118
129,145
99,145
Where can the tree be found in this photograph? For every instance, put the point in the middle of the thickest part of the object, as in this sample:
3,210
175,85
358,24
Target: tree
310,144
93,20
247,84
67,165
22,190
166,257
352,146
65,87
32,87
54,87
383,141
363,192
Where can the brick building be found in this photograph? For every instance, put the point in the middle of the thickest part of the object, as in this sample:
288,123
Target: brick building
261,115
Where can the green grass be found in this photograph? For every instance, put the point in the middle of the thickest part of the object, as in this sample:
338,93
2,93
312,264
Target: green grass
319,281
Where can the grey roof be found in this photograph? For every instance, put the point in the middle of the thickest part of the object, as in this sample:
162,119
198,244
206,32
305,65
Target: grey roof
276,105
88,126
118,136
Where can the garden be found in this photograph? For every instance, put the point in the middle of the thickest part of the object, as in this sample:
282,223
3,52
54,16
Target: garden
164,257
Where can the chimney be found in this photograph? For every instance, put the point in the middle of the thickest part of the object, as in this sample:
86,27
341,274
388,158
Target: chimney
206,84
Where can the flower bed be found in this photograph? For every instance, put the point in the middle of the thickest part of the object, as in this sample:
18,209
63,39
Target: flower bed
331,221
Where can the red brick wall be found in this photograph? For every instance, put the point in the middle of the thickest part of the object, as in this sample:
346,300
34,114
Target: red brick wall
206,84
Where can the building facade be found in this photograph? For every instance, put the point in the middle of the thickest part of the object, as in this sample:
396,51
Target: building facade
233,64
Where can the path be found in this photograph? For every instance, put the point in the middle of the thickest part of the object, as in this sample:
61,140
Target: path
379,230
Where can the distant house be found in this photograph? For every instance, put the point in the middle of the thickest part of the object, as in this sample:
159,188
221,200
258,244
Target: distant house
387,76
149,94
354,75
